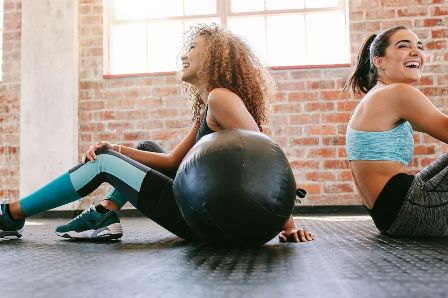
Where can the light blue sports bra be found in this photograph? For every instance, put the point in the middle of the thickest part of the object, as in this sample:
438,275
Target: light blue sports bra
396,144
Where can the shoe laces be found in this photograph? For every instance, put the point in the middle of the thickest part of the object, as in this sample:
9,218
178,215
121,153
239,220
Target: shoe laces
83,213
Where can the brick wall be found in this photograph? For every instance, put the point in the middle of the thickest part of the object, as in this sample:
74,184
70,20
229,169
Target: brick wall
9,102
308,119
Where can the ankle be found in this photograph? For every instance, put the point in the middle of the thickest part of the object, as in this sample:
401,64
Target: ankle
109,205
15,211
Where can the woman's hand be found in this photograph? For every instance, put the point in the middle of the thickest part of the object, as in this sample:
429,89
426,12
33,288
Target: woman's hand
295,235
90,154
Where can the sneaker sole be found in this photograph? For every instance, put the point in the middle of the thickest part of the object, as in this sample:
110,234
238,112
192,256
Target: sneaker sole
11,235
113,231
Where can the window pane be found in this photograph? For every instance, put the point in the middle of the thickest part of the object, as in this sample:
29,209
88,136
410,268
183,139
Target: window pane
327,38
246,5
284,4
198,7
286,51
130,9
164,43
321,3
128,53
165,8
252,30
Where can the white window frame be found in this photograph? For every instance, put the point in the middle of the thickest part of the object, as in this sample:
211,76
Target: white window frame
223,13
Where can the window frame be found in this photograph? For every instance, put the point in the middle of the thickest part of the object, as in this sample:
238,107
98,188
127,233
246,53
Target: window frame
223,12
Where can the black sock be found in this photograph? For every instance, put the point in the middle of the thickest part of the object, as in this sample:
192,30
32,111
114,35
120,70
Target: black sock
7,211
101,209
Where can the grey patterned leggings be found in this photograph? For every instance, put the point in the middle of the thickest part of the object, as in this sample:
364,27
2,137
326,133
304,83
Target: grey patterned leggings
424,212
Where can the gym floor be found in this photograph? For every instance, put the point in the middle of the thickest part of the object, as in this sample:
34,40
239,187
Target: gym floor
348,259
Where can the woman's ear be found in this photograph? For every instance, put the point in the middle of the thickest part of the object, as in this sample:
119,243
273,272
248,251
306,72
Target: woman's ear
378,62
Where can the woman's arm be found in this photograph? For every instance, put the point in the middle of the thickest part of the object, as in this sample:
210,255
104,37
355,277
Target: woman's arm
165,161
226,110
412,105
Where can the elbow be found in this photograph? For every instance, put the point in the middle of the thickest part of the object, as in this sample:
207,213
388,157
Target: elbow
172,163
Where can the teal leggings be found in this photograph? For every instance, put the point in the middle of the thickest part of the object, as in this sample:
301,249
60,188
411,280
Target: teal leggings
148,190
120,199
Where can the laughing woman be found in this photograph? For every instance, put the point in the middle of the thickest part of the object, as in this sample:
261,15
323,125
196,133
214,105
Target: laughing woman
379,138
229,88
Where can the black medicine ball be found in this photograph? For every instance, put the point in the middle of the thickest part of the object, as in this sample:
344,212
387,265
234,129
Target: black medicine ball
235,188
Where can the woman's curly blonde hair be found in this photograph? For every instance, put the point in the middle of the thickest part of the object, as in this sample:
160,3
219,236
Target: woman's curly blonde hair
228,62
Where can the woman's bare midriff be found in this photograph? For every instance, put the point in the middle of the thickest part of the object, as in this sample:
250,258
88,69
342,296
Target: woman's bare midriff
371,177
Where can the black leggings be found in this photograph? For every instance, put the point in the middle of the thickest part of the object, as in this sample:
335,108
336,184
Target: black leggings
120,199
155,198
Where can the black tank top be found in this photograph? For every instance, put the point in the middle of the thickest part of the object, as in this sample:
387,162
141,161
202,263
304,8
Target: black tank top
203,128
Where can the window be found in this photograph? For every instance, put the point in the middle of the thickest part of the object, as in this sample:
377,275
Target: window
144,36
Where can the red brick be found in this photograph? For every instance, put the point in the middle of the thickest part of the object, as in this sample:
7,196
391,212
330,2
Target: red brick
285,108
319,107
280,75
432,22
165,91
320,130
342,153
305,141
305,74
304,164
290,86
365,27
164,113
364,5
440,33
336,118
436,45
345,176
321,176
302,95
344,105
412,12
285,131
394,3
424,150
334,140
331,95
304,119
338,188
440,11
318,85
321,153
376,14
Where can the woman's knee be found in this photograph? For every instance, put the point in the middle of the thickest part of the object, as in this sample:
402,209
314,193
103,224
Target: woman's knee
150,146
101,151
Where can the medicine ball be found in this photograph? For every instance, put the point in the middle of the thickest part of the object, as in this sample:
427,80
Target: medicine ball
235,188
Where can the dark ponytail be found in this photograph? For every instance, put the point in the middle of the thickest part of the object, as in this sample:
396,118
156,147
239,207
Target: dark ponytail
365,75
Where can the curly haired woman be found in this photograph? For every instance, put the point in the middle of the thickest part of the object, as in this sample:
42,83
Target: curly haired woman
229,88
